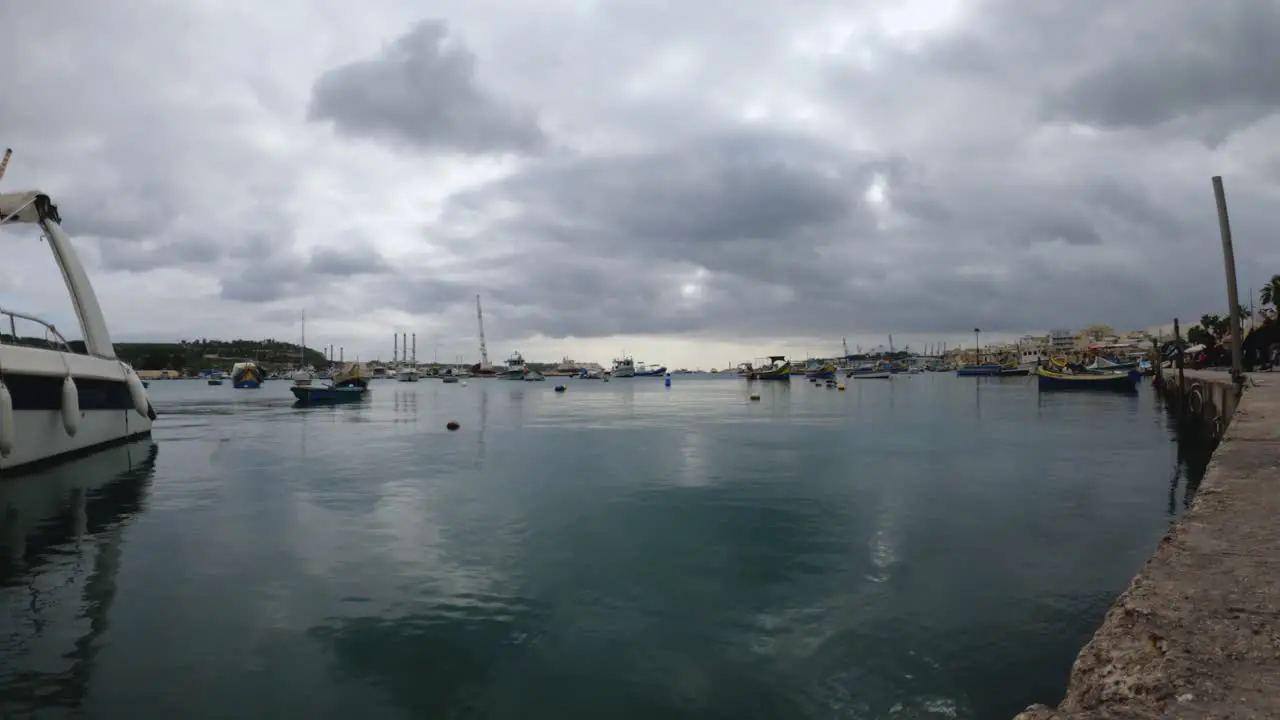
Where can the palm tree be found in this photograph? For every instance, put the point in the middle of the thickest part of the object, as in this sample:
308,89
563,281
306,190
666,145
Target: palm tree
1271,291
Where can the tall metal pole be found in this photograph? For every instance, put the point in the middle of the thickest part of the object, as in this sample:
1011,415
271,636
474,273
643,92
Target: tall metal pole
1229,260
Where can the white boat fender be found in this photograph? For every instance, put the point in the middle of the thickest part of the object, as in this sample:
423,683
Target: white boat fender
6,420
137,392
70,406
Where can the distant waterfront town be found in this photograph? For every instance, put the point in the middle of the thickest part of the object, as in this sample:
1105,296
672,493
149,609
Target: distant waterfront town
1206,342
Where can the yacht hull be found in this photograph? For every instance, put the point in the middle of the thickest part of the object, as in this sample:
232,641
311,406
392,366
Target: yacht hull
35,377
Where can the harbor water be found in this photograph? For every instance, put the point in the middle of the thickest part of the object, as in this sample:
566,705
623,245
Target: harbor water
926,546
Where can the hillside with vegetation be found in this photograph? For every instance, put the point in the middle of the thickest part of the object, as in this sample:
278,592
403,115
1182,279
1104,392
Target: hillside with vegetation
206,354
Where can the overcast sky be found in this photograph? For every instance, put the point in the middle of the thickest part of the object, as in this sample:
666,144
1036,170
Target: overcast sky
695,183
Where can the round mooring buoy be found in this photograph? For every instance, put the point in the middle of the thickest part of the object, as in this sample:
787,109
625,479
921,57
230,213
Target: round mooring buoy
453,425
755,396
559,388
840,388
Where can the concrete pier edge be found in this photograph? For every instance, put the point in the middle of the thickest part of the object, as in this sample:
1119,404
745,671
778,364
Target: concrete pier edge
1196,634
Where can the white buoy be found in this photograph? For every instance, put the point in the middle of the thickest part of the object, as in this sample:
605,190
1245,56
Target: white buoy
6,420
464,383
137,391
70,406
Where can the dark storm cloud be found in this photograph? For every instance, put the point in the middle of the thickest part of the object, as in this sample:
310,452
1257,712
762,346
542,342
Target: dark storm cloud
422,89
1181,60
1042,163
610,244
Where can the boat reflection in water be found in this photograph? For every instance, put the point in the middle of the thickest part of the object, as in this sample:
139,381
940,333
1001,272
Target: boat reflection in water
60,537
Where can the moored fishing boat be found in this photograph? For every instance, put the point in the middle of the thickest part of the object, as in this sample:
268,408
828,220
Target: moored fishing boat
642,370
349,385
1090,380
1109,365
819,369
624,368
868,372
515,369
778,368
983,370
246,375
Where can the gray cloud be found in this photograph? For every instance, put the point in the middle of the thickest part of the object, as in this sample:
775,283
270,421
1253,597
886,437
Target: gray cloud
422,89
701,172
347,262
1215,61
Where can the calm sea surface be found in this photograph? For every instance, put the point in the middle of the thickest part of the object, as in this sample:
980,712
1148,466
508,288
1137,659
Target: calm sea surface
929,546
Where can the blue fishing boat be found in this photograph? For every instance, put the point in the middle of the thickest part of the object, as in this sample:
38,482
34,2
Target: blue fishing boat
983,370
350,385
1115,382
246,375
328,394
819,369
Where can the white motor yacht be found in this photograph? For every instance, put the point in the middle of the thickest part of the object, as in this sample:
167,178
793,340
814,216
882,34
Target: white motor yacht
56,400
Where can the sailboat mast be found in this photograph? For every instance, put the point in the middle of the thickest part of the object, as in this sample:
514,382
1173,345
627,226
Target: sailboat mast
302,349
484,352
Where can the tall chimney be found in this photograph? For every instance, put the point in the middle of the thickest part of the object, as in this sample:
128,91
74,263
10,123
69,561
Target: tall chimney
415,348
395,348
340,355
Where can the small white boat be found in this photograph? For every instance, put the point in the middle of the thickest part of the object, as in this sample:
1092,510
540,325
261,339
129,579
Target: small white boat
868,372
407,373
533,376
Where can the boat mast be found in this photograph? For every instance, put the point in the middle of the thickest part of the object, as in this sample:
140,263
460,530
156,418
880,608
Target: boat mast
484,352
302,349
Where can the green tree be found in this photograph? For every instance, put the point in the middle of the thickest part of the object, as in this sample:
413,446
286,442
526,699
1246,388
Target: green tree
1270,294
1197,335
1216,325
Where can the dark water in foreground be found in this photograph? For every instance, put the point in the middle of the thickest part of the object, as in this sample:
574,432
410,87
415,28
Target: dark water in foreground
929,546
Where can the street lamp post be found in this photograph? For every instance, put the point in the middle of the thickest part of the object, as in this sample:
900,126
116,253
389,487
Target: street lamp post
977,348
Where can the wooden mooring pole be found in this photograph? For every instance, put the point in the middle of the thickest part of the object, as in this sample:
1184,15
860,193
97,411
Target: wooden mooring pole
1229,259
1177,359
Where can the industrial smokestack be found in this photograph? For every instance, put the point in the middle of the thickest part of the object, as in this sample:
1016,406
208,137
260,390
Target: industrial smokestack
415,348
